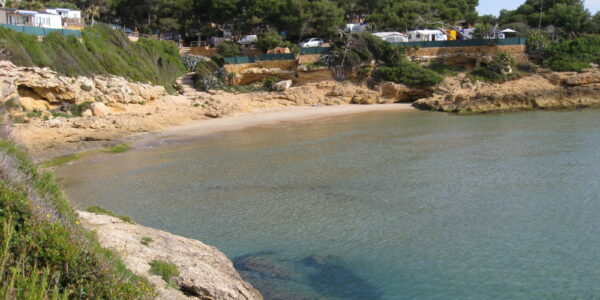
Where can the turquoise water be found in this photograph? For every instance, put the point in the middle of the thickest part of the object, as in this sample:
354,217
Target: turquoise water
404,205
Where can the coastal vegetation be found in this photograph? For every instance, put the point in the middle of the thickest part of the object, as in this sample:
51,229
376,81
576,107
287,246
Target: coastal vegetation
358,53
146,241
165,270
102,211
61,160
119,148
102,51
44,251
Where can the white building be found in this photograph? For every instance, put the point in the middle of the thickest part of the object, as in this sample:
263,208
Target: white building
427,35
29,18
356,27
65,13
71,18
392,37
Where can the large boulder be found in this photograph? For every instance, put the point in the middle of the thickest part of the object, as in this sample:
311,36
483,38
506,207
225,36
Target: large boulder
99,109
282,86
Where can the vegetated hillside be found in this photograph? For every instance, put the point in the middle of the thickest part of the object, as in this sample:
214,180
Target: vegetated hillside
101,51
44,252
572,55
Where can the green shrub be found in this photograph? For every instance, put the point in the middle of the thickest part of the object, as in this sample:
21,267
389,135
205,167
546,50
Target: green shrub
44,252
573,55
445,70
229,49
77,109
268,40
498,70
269,82
101,211
102,51
409,73
218,59
165,270
190,61
146,241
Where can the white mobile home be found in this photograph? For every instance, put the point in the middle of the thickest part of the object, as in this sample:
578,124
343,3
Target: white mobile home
356,27
392,37
29,18
65,13
427,35
71,18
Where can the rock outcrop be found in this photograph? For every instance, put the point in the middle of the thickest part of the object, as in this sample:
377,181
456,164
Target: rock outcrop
553,90
59,115
42,89
205,272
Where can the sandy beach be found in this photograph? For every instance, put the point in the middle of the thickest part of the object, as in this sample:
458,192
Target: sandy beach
260,117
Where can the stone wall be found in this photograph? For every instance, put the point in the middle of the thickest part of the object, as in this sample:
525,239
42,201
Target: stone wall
309,58
284,65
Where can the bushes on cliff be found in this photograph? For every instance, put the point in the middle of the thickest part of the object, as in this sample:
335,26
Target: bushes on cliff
502,68
102,51
409,73
44,252
359,51
229,49
573,55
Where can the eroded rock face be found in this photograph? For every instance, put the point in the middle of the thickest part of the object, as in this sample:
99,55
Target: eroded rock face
556,90
43,89
205,272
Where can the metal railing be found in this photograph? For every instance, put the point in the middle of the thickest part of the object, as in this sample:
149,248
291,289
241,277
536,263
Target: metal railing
263,57
315,50
198,44
41,31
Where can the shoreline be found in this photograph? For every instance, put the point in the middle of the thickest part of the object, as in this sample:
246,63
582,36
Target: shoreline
260,117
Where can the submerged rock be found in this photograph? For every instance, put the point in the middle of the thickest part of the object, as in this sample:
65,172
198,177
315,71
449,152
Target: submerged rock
314,277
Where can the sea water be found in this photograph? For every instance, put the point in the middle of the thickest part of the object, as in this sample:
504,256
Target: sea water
387,205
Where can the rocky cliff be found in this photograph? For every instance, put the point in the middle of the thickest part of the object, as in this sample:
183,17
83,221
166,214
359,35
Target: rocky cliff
56,115
551,90
204,272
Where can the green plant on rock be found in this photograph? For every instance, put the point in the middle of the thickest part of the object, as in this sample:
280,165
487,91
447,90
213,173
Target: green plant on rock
166,270
146,241
101,211
409,73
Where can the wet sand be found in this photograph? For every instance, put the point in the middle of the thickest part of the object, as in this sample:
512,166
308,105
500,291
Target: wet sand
261,117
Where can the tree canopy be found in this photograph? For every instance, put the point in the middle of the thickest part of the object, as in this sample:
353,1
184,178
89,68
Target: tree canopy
298,19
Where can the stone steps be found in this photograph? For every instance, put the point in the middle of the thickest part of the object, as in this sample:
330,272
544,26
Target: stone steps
187,85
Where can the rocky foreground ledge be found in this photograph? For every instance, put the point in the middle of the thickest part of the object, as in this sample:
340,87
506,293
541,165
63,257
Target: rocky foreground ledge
205,272
551,90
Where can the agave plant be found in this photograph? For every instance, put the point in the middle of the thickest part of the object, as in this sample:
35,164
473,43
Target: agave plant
190,61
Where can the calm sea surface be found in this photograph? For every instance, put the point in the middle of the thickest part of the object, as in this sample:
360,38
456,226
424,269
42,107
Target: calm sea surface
403,205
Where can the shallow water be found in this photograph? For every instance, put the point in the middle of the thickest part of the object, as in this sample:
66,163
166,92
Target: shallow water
403,205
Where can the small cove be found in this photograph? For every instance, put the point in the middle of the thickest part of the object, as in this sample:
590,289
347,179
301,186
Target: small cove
382,205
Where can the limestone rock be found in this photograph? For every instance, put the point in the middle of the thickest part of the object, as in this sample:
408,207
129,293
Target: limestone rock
205,272
282,85
87,113
557,90
99,109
